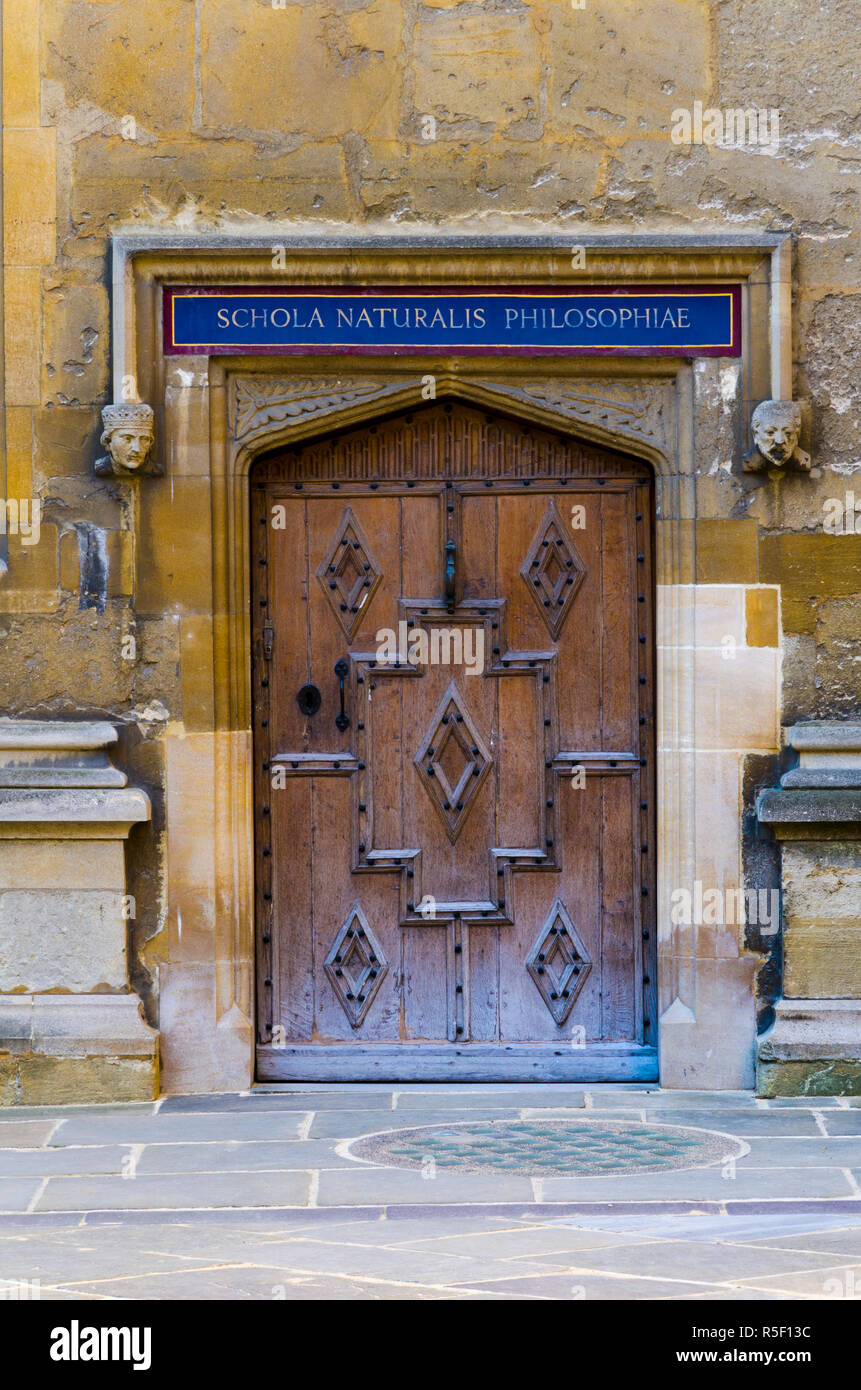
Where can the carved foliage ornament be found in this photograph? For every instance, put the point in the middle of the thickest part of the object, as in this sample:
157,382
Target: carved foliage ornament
776,432
632,410
261,402
128,434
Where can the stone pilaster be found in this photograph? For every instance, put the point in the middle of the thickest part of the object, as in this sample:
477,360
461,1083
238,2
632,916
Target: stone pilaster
814,1045
71,1028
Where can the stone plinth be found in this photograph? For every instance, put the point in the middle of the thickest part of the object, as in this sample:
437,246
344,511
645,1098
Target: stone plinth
814,1045
71,1029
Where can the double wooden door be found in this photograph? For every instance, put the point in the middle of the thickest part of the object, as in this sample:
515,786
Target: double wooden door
452,671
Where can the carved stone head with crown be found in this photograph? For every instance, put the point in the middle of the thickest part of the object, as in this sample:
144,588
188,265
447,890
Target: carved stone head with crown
128,434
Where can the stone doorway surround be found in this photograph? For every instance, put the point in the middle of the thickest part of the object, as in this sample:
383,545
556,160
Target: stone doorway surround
216,415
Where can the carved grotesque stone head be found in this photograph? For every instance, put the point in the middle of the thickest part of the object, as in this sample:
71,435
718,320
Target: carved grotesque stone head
776,432
128,435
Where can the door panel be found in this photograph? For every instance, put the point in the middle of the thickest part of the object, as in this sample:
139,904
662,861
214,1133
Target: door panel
457,883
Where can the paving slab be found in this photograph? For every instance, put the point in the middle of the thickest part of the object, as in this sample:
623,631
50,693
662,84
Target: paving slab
307,1256
502,1099
805,1102
840,1281
704,1184
672,1100
175,1129
838,1244
780,1151
16,1194
394,1185
720,1295
265,1102
179,1190
715,1262
25,1134
258,1284
350,1124
522,1242
42,1163
746,1122
259,1156
14,1114
579,1286
842,1121
699,1225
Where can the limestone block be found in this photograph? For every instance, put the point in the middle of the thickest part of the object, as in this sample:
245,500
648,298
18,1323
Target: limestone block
22,306
441,178
771,37
62,939
94,865
76,337
736,697
116,179
812,565
336,71
762,616
701,615
619,67
475,98
714,1001
727,552
141,63
822,919
200,1053
29,196
21,77
76,663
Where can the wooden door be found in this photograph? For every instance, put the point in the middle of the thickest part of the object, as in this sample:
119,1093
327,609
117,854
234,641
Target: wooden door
452,674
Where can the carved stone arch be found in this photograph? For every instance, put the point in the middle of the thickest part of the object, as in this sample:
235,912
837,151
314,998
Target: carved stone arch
268,412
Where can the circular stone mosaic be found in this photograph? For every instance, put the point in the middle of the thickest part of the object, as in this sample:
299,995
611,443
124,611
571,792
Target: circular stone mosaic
575,1148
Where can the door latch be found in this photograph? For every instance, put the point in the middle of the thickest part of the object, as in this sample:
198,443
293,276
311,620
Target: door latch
450,574
268,639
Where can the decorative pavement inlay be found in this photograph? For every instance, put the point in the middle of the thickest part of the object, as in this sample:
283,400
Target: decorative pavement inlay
571,1148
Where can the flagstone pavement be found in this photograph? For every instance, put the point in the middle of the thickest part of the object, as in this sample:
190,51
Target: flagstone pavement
553,1192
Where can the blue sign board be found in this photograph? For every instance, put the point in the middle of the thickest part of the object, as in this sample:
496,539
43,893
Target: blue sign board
701,321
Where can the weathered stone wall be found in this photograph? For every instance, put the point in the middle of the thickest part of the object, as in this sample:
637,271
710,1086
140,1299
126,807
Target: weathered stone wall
248,115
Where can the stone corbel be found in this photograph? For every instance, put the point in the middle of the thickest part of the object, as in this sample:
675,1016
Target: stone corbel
128,434
777,428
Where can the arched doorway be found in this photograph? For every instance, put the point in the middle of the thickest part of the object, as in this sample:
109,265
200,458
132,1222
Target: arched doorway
454,754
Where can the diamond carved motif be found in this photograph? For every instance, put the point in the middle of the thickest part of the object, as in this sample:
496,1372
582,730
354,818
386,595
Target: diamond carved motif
356,966
558,962
452,762
553,570
349,574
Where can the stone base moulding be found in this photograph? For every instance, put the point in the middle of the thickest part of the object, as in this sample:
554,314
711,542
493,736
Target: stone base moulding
814,1045
71,1029
812,1049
